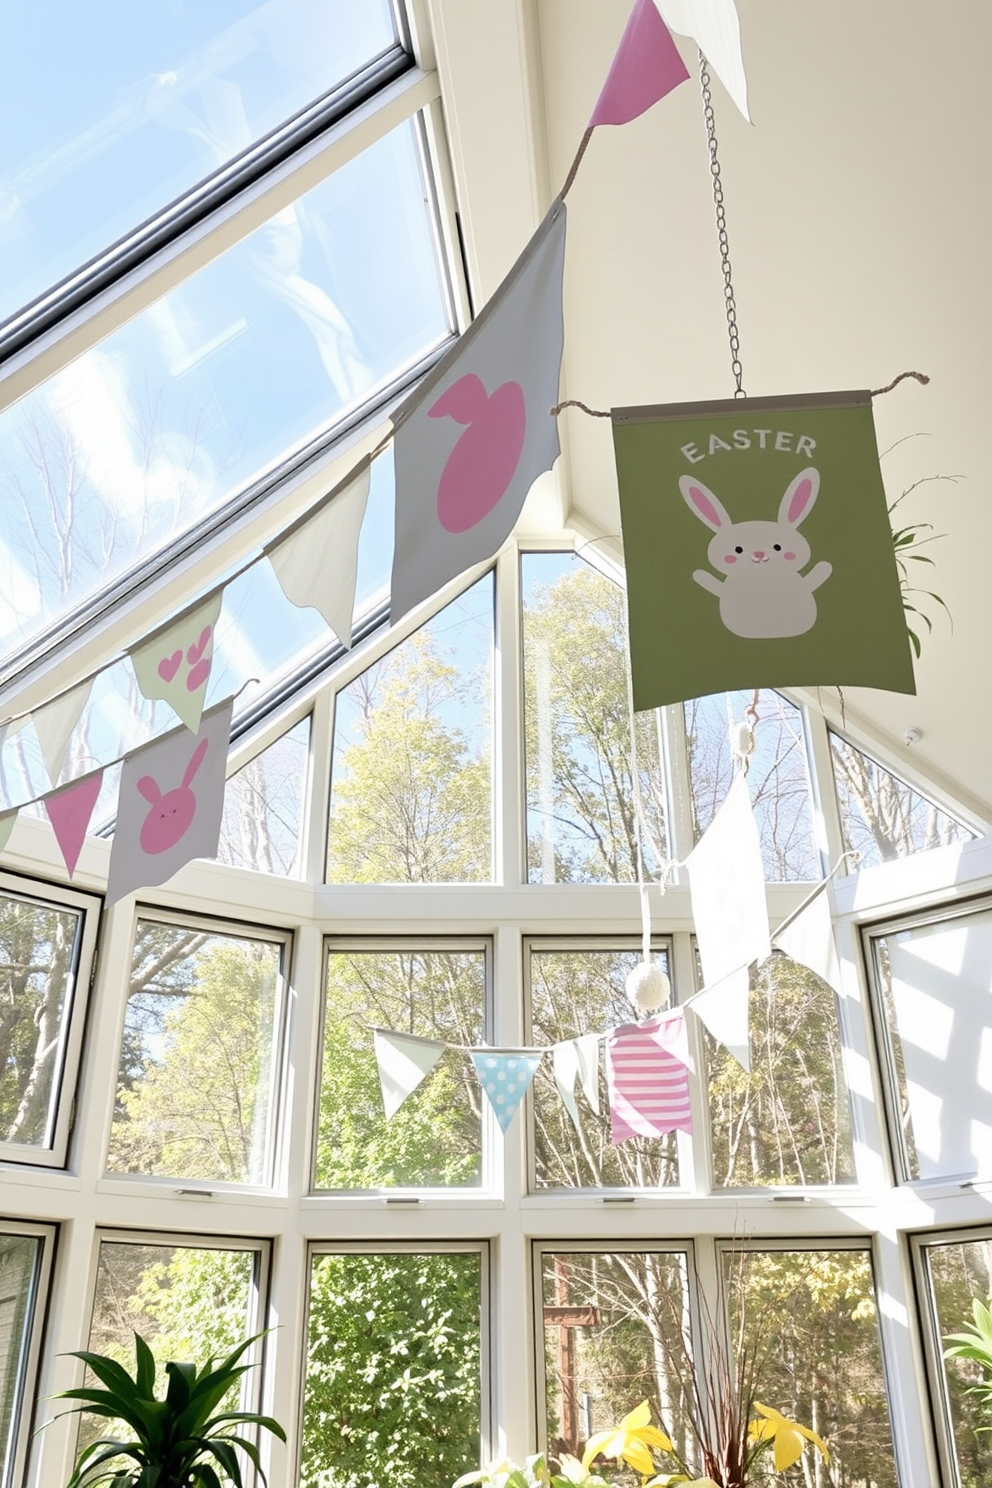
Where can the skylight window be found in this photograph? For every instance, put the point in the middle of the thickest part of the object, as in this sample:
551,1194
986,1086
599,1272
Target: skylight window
268,346
127,108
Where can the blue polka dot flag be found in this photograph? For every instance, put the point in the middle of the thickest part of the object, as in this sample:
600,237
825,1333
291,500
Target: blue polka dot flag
506,1079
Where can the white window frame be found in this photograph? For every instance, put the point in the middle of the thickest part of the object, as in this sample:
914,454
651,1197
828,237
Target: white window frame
275,1155
44,896
26,1405
479,945
398,1247
933,1361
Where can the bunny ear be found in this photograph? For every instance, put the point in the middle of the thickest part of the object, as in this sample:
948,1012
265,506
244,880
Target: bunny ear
150,789
702,501
195,762
799,496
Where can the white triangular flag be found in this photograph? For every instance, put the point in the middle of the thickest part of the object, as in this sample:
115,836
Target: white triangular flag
724,1010
55,722
404,1060
587,1052
727,881
810,941
565,1060
577,1059
316,560
716,29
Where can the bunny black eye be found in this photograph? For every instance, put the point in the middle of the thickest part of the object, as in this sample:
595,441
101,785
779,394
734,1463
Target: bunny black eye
738,550
778,547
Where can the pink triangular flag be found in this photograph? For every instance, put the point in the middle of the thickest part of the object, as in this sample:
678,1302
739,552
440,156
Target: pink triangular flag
69,811
646,67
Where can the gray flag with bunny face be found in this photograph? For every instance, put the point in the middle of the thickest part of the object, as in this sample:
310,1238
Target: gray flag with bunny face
171,804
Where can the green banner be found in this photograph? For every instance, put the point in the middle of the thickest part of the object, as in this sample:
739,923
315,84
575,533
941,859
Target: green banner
758,548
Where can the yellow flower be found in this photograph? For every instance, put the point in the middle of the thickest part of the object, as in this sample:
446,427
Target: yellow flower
787,1436
629,1442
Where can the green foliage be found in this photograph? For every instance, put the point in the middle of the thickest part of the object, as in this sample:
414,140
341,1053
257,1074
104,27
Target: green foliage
412,795
975,1344
788,1120
194,1092
36,949
393,1370
179,1440
577,714
434,1140
907,542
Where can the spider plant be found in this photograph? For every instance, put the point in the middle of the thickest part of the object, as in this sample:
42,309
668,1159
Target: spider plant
907,542
178,1441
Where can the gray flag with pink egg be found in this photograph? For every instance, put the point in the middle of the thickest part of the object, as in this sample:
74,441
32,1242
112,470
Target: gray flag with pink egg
171,804
478,431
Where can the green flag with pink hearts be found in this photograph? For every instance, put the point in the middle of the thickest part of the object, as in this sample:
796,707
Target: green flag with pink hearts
758,548
173,663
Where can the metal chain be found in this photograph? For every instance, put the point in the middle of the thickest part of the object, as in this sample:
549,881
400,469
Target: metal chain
721,228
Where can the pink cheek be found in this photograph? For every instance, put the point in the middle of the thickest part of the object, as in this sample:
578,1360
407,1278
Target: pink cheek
790,556
730,558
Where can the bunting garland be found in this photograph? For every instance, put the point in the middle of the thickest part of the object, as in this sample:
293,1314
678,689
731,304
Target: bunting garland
69,811
174,662
506,1077
648,1078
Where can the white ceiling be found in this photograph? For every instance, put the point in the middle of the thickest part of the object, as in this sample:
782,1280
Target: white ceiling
858,232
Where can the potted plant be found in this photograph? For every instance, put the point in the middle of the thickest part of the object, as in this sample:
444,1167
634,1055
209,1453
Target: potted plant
183,1440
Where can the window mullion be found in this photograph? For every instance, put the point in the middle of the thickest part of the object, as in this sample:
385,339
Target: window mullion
509,866
695,1153
678,783
827,830
903,1361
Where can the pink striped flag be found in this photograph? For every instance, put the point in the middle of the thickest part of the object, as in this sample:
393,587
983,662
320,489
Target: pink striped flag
648,1078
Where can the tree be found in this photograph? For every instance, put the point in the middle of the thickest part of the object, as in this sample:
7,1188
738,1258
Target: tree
393,1370
412,795
198,1074
884,818
37,948
788,1119
435,1137
811,1318
580,797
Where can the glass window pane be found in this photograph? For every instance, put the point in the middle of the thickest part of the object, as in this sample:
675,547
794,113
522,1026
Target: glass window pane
580,799
260,350
105,119
198,1076
789,1120
434,1140
411,791
263,805
882,817
20,1259
935,986
778,777
187,1302
811,1322
574,991
616,1332
392,1392
960,1273
38,954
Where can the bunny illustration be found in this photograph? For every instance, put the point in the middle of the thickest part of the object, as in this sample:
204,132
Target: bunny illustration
172,813
761,590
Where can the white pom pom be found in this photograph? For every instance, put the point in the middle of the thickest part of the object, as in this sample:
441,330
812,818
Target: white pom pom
647,987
